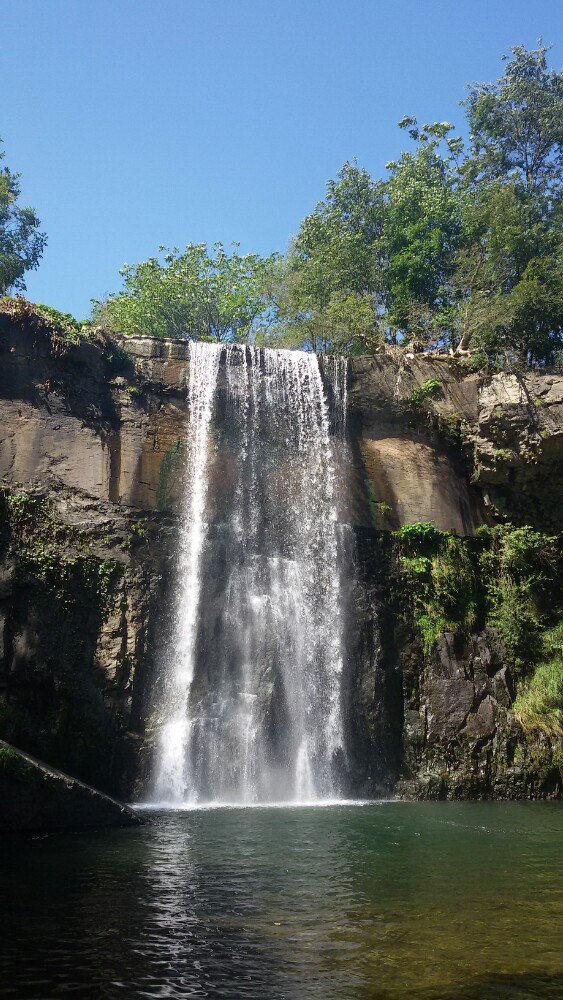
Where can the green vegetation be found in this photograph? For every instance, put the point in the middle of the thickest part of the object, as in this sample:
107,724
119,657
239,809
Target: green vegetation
521,570
118,359
54,557
539,707
455,249
171,464
13,765
506,577
197,293
62,330
439,577
428,390
21,242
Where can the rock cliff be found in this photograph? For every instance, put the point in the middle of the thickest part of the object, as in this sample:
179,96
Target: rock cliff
91,444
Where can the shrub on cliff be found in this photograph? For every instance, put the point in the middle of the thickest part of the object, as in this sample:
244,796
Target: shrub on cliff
539,707
438,573
521,573
508,578
62,330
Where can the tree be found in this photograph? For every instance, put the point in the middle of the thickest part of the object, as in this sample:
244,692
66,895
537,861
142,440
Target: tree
516,124
196,294
327,296
334,248
507,280
375,255
346,324
508,275
21,242
450,249
421,232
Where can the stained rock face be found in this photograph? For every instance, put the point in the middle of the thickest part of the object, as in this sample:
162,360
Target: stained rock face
34,796
519,447
407,409
412,474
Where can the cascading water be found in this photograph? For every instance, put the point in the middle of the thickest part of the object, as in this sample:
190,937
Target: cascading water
251,707
172,777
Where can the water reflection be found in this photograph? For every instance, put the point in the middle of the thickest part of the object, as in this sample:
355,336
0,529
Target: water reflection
388,901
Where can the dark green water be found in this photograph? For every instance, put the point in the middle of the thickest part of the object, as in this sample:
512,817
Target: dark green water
393,900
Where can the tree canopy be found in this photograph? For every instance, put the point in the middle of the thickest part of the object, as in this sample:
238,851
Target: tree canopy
458,246
199,293
21,242
453,248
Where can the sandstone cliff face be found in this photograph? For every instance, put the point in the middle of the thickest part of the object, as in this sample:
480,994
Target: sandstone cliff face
455,449
91,447
413,473
87,421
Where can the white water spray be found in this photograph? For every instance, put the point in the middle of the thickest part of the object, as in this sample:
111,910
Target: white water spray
172,777
252,698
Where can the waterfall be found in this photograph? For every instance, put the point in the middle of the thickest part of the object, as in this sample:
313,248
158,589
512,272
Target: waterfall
172,778
251,705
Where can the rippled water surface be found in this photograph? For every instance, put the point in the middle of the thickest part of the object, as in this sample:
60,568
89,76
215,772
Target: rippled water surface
396,900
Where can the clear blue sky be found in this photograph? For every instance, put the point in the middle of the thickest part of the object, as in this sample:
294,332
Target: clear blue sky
144,122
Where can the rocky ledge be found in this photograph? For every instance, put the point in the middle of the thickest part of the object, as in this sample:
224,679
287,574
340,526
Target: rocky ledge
35,796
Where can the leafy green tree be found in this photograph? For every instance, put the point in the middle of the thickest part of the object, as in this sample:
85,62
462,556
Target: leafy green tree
516,124
507,279
328,297
21,242
345,325
374,255
421,231
334,248
202,294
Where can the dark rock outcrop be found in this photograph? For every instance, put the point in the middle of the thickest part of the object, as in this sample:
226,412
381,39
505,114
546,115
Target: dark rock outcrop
519,447
35,796
460,737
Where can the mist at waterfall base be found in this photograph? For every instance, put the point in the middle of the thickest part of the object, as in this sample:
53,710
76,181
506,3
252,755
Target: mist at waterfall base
249,707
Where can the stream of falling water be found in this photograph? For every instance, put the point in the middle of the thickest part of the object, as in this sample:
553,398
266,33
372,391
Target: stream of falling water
251,704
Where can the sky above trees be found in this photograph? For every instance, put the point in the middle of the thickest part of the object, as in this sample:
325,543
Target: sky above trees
137,124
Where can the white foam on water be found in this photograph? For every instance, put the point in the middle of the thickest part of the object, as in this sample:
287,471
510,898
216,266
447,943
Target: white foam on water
207,806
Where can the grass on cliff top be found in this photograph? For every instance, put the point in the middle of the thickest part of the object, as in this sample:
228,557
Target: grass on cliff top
61,329
63,332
